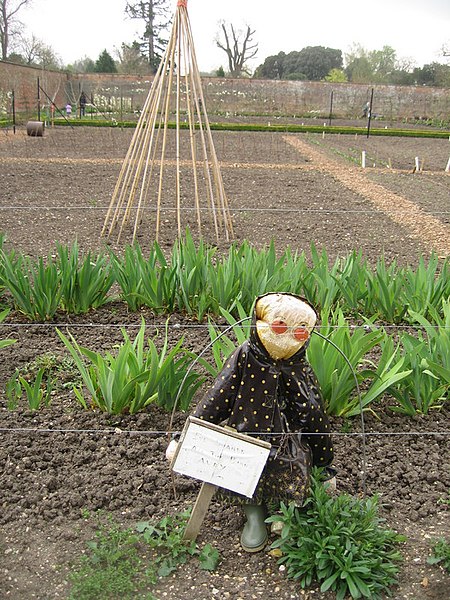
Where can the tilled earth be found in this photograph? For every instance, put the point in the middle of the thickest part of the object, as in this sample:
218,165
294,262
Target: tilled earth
61,461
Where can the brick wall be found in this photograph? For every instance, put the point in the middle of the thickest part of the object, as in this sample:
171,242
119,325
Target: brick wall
127,93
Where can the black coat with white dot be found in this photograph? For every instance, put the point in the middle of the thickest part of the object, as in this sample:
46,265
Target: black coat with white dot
267,398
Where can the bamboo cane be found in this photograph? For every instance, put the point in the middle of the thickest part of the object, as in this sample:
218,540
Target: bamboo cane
146,159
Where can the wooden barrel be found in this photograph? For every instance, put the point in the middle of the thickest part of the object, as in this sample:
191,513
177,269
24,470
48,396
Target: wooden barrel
35,128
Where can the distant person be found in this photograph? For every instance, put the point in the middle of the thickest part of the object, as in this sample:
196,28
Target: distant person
366,110
68,110
83,102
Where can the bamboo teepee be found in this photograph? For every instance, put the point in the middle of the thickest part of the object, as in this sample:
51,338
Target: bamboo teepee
173,120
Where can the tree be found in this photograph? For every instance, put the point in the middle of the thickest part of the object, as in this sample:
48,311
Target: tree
336,76
47,58
271,68
434,74
316,61
82,65
36,53
130,59
238,47
377,66
154,13
9,24
105,63
383,62
313,63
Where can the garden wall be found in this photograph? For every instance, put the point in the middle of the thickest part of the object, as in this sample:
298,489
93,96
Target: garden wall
127,93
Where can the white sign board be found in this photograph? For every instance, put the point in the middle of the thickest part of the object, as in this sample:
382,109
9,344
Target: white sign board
220,456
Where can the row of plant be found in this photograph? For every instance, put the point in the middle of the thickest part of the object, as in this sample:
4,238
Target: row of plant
283,128
195,280
414,371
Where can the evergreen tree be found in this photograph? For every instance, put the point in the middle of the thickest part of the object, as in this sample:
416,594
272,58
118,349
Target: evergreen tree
105,63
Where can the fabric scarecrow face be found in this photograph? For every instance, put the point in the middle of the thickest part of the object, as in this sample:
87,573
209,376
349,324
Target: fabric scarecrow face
283,324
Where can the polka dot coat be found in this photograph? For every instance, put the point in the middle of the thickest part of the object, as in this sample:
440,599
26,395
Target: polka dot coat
268,398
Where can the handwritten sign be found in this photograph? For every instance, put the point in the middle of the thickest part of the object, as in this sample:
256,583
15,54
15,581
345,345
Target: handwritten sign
220,456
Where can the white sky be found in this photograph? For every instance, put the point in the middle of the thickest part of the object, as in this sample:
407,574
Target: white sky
416,29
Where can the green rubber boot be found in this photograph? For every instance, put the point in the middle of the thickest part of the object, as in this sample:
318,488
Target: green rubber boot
254,535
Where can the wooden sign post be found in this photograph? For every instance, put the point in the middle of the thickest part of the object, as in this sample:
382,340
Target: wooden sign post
220,457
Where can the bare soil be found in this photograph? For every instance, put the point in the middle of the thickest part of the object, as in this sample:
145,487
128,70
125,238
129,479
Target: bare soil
60,461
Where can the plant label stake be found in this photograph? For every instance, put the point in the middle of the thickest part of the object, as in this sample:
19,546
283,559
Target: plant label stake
220,457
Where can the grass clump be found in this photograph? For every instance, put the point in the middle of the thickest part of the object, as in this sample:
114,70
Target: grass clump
339,542
440,554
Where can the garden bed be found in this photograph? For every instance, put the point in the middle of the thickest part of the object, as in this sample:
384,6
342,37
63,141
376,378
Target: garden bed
61,461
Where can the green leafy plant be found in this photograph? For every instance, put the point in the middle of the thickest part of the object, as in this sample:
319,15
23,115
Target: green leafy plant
381,377
135,377
426,286
198,282
440,554
166,538
386,292
224,345
85,283
34,285
338,541
145,282
428,357
352,282
423,389
325,290
37,392
333,372
7,342
113,567
261,272
13,390
190,265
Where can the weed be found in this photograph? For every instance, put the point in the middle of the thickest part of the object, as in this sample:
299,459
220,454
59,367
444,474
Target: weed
440,554
112,568
4,343
445,500
126,563
166,538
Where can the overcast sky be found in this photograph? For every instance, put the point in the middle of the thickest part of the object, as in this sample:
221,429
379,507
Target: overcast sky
416,29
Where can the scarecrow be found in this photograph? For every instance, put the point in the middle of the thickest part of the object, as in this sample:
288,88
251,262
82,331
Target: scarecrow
267,389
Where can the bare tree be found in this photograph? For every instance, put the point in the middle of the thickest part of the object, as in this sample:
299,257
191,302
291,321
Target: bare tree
29,48
34,51
238,46
9,23
130,59
154,13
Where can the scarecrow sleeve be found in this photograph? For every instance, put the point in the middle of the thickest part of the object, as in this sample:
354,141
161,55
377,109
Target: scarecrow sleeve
217,404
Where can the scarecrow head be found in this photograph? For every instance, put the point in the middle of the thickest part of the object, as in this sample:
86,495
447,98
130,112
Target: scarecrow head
284,323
